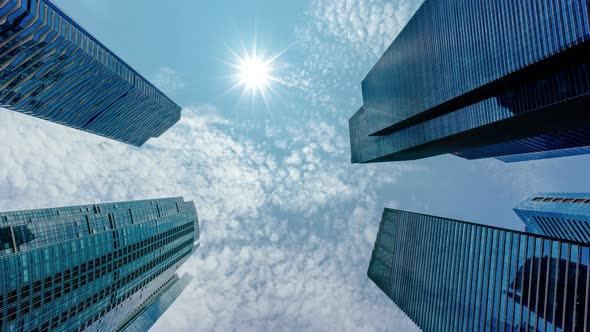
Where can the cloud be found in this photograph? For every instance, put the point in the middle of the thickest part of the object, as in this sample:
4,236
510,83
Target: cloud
168,80
98,7
280,250
367,26
340,42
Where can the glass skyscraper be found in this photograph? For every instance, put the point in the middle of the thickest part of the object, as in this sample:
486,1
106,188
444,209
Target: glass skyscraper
147,317
560,215
450,275
480,79
53,69
103,267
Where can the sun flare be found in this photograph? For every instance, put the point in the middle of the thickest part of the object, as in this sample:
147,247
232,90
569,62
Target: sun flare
255,73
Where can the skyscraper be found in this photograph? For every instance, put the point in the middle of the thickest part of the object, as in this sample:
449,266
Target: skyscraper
53,69
103,267
450,275
560,215
480,79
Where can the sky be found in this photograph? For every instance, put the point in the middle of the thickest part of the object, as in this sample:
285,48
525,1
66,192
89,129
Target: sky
287,222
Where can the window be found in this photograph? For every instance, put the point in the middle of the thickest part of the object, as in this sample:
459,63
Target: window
11,313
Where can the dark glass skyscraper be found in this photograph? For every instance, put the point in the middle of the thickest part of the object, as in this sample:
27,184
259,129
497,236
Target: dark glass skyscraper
480,79
104,267
560,215
450,275
51,68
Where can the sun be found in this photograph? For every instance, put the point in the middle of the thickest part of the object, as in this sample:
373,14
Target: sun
255,72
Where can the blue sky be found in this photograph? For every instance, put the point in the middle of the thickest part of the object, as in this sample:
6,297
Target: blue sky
288,223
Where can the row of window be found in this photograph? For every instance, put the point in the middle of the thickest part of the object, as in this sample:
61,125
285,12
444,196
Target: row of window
112,288
139,286
562,200
79,276
54,227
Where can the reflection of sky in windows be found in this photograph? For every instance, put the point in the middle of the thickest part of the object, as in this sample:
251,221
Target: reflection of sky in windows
560,215
451,275
425,89
79,256
51,68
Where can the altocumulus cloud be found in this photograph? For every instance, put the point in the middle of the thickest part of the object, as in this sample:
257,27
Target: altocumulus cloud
167,79
265,263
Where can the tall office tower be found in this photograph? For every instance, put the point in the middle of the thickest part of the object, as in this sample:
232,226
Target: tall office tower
51,68
103,267
480,79
450,275
560,215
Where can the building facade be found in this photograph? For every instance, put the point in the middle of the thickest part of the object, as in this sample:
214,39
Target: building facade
147,317
480,79
53,69
450,275
98,267
560,215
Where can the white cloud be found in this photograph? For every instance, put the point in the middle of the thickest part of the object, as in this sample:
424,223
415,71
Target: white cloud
98,7
168,80
365,25
284,247
341,41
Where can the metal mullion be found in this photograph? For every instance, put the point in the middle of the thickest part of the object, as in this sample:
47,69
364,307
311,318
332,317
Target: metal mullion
558,258
421,273
424,275
443,234
517,262
538,273
565,288
495,257
576,276
453,288
448,259
506,277
431,311
488,252
395,286
466,279
525,270
586,306
500,275
412,264
532,245
476,269
462,277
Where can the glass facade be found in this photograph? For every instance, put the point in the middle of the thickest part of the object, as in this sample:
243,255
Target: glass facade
560,215
450,275
551,145
479,79
154,308
91,267
51,68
